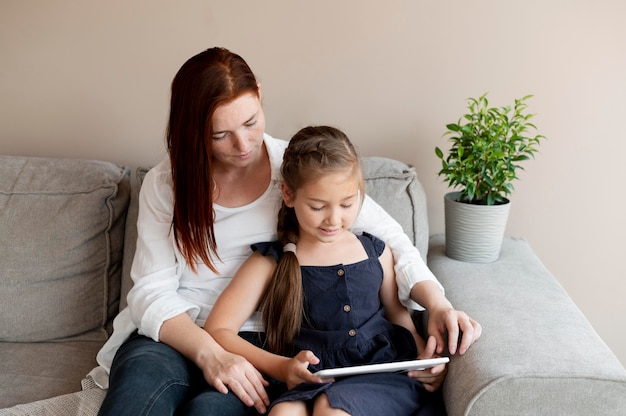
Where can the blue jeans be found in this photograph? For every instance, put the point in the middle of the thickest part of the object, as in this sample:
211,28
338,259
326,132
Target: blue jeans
151,378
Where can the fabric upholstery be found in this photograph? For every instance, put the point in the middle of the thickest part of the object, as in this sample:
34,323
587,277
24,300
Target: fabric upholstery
537,350
395,187
81,403
61,232
39,370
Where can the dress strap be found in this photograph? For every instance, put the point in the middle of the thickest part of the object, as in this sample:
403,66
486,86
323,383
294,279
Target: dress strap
373,246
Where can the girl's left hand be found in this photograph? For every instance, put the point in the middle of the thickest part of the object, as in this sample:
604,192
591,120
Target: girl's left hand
431,378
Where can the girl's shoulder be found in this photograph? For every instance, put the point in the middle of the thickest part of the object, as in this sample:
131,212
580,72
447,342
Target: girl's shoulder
372,244
269,248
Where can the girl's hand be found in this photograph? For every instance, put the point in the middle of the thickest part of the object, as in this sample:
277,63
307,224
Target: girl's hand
296,370
229,371
431,378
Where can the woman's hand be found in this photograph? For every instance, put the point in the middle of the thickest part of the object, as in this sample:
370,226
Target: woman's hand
431,378
453,322
231,371
296,369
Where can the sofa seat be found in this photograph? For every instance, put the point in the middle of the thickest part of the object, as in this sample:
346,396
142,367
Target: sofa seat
39,370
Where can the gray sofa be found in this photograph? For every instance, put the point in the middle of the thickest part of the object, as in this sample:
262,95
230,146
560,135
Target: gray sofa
67,231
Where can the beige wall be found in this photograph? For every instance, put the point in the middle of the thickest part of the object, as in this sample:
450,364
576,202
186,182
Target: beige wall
91,79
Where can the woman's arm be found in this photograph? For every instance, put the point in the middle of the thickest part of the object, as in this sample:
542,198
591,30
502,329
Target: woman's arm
418,288
236,303
409,266
158,311
156,271
221,369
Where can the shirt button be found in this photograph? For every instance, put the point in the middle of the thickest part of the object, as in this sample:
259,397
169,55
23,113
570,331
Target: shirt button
347,308
352,332
340,272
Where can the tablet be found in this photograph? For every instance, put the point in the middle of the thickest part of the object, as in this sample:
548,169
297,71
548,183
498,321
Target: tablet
396,367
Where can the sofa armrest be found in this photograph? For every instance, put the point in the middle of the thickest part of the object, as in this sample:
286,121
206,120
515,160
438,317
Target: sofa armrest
538,354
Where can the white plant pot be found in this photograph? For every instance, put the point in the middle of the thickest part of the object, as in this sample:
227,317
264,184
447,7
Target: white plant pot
474,233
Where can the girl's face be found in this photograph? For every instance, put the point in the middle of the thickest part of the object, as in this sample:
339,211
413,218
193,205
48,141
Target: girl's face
237,136
326,207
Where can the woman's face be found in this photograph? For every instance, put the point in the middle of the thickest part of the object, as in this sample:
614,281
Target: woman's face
237,136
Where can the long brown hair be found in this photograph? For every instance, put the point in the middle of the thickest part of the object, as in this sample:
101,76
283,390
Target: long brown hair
206,81
312,153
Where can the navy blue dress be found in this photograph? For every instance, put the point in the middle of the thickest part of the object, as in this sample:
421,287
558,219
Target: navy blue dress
346,326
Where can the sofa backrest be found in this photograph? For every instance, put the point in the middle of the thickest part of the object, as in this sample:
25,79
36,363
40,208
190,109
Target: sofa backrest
392,184
62,225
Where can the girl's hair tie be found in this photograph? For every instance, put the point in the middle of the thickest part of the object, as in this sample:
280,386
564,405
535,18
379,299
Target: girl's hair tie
289,247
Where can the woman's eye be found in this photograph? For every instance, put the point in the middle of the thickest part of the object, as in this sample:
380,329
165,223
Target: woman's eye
219,136
346,206
250,123
317,208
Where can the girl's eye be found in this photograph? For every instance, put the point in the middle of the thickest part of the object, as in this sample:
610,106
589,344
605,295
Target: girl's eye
219,136
250,123
346,206
317,208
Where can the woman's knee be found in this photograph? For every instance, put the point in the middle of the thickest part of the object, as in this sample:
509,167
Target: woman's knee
147,377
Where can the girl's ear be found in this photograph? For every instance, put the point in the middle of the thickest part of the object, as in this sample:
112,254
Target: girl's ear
288,195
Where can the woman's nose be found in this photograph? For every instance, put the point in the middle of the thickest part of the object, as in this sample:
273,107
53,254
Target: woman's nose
240,141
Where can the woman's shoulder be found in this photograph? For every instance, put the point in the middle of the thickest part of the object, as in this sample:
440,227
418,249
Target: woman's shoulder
161,172
157,182
275,149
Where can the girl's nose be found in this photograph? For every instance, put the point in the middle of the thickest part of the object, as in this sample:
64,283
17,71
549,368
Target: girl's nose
334,216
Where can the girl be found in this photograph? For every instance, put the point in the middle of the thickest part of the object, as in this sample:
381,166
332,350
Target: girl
328,297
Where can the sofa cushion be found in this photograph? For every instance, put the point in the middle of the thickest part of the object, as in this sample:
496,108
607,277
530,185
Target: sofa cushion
395,187
61,238
39,370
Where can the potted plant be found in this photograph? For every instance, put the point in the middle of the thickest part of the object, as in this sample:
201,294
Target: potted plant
488,145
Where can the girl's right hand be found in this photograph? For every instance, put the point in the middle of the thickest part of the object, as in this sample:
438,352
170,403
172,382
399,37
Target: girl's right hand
233,372
296,370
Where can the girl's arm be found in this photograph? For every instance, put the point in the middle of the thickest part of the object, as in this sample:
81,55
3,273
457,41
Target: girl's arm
236,303
396,313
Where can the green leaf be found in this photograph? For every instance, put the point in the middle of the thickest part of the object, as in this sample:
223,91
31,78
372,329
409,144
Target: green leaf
487,145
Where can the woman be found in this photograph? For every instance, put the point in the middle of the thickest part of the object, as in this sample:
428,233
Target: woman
199,211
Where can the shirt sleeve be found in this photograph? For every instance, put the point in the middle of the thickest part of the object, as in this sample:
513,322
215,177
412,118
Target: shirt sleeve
156,269
409,266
